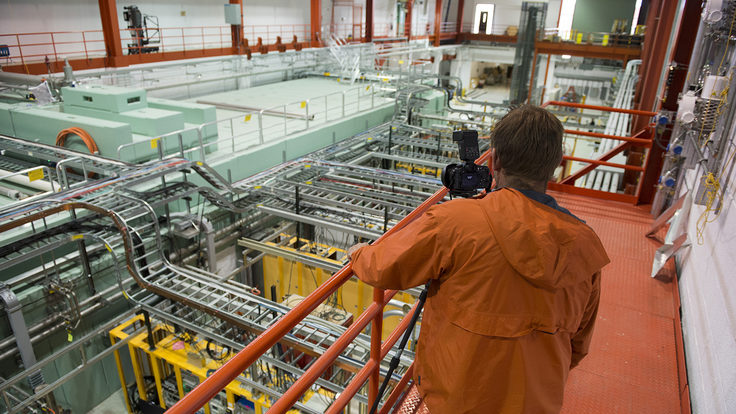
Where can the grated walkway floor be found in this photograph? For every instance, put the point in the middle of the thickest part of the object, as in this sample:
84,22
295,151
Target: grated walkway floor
632,366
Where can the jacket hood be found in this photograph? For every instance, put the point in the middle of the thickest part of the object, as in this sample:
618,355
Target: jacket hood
558,251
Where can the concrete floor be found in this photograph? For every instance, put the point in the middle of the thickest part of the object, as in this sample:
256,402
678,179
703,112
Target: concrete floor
114,404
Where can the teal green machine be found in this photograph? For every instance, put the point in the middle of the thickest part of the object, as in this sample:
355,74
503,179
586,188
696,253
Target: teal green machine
112,116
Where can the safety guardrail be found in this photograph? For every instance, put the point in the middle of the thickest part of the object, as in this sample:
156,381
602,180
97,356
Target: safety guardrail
642,139
271,123
276,332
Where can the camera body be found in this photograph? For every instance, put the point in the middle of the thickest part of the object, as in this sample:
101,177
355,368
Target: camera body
466,179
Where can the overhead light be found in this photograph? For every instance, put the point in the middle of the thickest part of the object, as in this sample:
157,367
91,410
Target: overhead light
566,57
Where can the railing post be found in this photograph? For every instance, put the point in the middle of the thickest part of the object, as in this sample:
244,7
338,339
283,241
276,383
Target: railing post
376,333
306,110
260,126
343,104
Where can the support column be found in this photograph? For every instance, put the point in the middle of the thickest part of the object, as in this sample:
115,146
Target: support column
368,20
236,31
408,18
460,11
437,21
111,32
315,22
681,53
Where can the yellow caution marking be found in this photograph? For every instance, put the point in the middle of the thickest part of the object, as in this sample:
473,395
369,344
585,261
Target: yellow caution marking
154,143
303,104
69,337
368,88
401,62
36,174
77,236
247,118
308,182
327,73
199,163
308,166
109,249
258,187
369,139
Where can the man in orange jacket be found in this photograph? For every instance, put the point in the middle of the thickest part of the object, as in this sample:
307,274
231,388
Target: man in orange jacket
515,281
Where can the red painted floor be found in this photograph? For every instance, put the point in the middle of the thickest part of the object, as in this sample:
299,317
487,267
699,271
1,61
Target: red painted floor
632,364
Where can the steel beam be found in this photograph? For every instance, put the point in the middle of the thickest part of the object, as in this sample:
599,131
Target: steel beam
315,22
111,33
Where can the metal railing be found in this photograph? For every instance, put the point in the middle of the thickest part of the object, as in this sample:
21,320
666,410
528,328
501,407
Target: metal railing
373,314
251,128
26,48
642,139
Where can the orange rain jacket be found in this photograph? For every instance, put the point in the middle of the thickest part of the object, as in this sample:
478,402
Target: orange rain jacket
512,304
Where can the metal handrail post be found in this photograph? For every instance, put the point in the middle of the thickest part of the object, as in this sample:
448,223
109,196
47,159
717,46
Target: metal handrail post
343,104
376,332
285,129
260,126
201,143
306,110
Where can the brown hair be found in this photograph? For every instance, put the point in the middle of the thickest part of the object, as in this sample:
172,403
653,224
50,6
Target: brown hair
528,142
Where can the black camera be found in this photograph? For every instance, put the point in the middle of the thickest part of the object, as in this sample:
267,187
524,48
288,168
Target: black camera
466,179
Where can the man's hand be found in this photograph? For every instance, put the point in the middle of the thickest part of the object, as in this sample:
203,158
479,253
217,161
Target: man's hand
354,249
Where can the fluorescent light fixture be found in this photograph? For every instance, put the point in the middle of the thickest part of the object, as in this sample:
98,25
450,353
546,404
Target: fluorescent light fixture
479,9
566,57
637,9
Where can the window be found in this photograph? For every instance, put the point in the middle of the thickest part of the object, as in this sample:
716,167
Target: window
483,18
567,10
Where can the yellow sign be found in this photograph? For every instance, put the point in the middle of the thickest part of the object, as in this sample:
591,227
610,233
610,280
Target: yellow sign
36,174
401,62
154,143
303,104
327,73
69,337
308,166
247,118
605,40
579,38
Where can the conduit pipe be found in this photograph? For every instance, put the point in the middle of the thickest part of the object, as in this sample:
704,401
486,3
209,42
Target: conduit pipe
22,179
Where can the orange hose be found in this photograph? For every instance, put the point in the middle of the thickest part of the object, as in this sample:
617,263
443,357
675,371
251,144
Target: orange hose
86,138
84,135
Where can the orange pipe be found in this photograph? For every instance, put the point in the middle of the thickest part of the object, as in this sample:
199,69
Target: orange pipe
600,108
359,379
204,392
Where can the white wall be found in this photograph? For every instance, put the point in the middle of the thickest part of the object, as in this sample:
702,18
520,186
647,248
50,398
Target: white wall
708,298
508,12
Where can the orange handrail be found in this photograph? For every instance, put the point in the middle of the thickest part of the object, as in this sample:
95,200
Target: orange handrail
204,392
599,108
